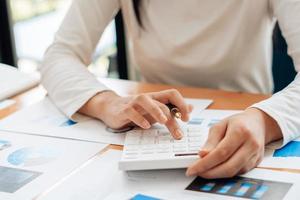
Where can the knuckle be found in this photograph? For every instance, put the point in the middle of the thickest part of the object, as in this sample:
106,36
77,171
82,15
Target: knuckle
216,128
243,130
154,110
244,170
127,109
231,171
254,143
173,92
223,152
247,168
141,98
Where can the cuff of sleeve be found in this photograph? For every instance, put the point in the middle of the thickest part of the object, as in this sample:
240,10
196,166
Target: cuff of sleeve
265,107
71,110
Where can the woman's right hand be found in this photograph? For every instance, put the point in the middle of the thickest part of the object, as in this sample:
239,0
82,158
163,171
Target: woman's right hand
141,110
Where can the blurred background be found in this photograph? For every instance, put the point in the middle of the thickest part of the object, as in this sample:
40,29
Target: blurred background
30,26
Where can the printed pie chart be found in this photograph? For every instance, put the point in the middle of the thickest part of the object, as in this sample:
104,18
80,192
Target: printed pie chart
32,156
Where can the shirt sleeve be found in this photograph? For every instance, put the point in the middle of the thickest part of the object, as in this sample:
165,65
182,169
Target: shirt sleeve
64,73
284,106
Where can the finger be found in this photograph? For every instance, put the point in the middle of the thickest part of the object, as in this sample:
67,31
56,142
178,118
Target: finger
203,153
171,124
134,116
150,119
190,108
216,134
241,159
174,128
221,153
174,97
151,107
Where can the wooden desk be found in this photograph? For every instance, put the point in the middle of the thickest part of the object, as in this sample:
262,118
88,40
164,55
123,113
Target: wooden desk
222,99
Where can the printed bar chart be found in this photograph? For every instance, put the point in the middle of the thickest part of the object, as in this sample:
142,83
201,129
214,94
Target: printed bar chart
242,187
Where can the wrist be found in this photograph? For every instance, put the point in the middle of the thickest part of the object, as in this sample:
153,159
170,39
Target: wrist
269,125
97,105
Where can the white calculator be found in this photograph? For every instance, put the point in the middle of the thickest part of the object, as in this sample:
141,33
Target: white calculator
156,149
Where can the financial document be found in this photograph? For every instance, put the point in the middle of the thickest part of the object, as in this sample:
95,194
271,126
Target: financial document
101,179
44,118
29,165
286,157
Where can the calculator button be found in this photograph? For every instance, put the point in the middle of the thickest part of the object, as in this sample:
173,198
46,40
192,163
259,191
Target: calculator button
133,140
147,152
133,133
179,150
163,150
183,140
194,149
129,153
147,141
194,134
151,133
131,147
195,139
194,129
196,144
179,145
164,133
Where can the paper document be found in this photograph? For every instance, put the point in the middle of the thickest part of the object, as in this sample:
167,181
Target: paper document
29,165
44,118
101,179
287,157
13,81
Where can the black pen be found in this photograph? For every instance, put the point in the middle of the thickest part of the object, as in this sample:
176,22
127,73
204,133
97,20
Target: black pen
174,110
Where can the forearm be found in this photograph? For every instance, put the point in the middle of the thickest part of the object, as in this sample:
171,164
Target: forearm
64,69
97,105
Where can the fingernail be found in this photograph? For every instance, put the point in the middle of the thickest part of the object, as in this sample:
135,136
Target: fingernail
146,124
190,172
178,134
163,119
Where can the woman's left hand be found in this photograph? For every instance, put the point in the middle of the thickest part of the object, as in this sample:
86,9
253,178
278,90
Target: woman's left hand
235,145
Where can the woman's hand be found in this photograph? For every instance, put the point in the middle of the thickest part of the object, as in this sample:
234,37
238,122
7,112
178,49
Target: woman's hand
141,110
235,145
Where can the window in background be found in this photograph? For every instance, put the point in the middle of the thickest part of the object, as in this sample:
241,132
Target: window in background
34,25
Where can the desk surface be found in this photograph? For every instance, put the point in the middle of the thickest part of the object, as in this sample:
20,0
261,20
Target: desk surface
222,99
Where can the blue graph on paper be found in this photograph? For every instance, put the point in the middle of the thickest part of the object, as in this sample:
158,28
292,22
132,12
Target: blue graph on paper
143,197
4,144
292,149
58,121
68,122
31,156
